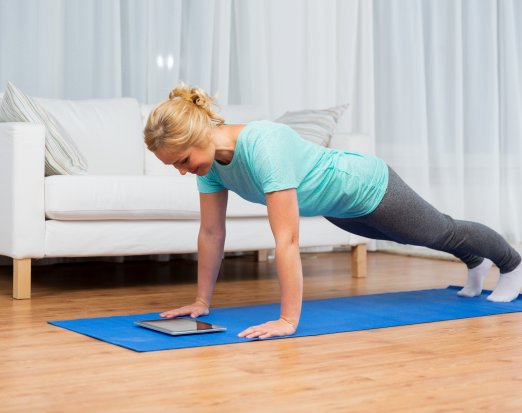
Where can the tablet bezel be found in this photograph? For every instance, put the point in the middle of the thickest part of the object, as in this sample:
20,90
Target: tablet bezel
212,328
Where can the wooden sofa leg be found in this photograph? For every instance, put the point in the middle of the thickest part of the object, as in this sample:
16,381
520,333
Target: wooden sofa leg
359,261
262,255
22,278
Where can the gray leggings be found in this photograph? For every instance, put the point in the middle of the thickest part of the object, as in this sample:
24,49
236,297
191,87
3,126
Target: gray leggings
404,217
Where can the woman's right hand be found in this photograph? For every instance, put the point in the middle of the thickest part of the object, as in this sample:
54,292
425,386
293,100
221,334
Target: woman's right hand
196,309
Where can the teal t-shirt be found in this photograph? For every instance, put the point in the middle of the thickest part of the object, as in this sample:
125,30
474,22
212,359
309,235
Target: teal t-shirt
272,157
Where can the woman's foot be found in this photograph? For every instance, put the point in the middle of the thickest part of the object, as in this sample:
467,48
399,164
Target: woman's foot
508,286
475,279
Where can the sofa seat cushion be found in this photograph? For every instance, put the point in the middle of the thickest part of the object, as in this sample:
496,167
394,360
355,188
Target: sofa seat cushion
86,198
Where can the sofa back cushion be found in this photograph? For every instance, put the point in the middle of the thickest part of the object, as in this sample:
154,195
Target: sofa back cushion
108,132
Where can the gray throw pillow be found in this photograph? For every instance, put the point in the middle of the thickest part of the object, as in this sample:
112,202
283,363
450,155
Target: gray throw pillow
62,156
317,126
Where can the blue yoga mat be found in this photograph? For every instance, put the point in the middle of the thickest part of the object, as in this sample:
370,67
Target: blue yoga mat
327,316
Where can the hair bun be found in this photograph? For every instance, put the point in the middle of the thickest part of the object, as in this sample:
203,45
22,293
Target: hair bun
181,91
198,97
192,94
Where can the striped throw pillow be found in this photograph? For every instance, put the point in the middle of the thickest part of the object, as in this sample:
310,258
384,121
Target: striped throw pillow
317,126
62,156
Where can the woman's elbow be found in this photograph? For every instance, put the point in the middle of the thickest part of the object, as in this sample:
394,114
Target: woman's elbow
215,234
287,240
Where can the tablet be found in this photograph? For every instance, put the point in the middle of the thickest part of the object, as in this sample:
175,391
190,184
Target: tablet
180,326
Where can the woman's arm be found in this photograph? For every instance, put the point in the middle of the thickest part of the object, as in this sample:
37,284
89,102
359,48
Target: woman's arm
211,241
283,214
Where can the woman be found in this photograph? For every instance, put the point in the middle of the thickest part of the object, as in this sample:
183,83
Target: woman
269,163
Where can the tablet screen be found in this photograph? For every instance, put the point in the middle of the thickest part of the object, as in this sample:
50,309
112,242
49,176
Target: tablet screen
178,326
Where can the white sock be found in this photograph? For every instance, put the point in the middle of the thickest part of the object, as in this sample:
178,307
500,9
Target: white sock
475,279
508,286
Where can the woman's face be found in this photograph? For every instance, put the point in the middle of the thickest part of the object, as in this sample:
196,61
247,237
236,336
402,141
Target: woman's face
194,160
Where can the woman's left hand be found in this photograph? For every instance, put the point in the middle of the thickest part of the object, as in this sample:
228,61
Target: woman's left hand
269,329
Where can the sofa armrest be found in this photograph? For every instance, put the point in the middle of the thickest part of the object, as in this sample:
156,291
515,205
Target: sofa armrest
352,142
22,210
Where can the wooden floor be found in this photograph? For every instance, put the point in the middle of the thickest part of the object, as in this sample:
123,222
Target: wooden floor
472,365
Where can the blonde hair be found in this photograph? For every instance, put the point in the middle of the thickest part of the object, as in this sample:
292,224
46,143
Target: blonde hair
182,121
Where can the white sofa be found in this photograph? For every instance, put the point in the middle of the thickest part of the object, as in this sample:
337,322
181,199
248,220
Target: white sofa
129,203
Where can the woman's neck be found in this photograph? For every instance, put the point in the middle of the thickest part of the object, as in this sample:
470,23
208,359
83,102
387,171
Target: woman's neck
225,138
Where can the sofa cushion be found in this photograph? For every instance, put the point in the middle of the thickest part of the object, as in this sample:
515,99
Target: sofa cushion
108,132
80,198
242,113
316,126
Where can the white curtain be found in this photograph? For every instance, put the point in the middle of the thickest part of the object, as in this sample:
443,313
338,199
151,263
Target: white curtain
298,54
282,55
436,82
449,104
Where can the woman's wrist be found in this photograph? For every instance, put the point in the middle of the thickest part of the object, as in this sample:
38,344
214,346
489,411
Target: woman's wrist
202,301
289,321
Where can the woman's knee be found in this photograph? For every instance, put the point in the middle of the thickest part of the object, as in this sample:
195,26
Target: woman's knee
447,237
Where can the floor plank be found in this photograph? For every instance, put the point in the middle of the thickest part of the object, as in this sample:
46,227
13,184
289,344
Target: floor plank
455,366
